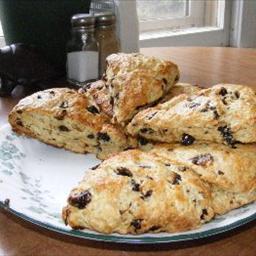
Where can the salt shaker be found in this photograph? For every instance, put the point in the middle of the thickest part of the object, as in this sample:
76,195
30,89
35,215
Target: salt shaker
82,51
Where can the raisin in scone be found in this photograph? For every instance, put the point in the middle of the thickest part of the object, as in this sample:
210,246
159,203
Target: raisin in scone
67,119
100,94
133,81
231,172
224,113
135,192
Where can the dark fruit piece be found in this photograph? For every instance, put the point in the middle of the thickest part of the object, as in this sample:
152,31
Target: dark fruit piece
112,101
177,179
216,114
143,141
90,136
103,136
95,167
147,194
135,186
81,199
136,224
227,135
204,212
124,172
154,228
164,81
19,122
223,91
63,128
64,104
93,110
147,130
187,139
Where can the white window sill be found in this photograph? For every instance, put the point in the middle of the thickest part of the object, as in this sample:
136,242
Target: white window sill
178,32
196,36
2,41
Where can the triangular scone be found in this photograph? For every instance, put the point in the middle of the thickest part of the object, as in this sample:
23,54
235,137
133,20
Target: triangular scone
133,81
68,119
135,192
231,172
224,113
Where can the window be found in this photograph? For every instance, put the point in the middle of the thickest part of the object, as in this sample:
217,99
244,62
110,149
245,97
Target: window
166,14
176,18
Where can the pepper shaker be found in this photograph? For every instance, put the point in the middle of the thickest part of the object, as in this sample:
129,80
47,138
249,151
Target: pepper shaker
107,38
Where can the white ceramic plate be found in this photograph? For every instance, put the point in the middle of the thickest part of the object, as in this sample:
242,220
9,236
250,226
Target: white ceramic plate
35,180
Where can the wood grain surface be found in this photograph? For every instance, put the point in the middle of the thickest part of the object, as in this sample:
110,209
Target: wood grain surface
204,66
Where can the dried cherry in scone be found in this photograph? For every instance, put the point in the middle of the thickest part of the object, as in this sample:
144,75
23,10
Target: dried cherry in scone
187,139
204,213
92,109
81,199
124,171
136,224
103,136
143,141
177,179
135,186
63,128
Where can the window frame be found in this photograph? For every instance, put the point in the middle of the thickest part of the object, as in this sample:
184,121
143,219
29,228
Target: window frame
193,18
198,36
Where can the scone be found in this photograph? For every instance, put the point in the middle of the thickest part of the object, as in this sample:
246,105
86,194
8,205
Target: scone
67,119
224,113
132,82
231,172
135,192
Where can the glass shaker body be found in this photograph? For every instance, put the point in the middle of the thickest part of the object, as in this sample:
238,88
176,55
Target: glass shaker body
108,44
82,56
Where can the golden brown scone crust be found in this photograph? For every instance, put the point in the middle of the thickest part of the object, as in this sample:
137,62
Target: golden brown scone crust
68,119
181,88
224,113
225,201
231,172
134,81
135,192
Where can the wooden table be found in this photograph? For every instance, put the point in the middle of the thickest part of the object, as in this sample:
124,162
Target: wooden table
204,66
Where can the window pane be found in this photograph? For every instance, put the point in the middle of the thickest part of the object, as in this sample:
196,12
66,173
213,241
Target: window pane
161,9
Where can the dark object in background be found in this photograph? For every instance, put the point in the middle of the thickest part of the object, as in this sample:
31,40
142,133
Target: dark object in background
22,64
43,23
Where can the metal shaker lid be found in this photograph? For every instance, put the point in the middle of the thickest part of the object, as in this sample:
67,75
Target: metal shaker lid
83,20
105,18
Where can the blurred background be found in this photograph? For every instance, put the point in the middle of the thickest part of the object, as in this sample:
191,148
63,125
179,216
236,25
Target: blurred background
183,22
197,22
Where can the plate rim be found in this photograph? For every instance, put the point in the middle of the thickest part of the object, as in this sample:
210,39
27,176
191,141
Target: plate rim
117,238
111,238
